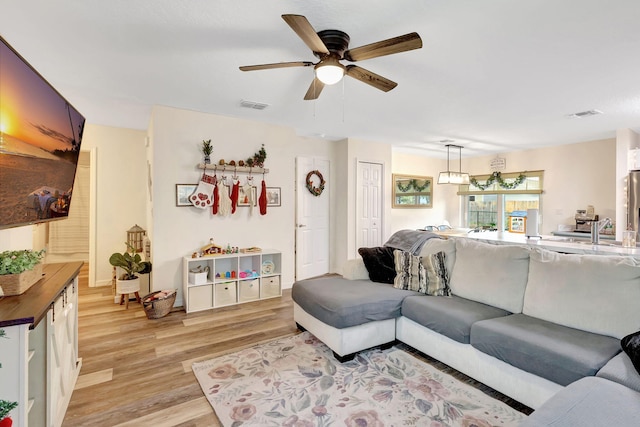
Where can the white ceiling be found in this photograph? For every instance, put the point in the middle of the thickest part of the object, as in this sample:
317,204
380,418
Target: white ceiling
493,75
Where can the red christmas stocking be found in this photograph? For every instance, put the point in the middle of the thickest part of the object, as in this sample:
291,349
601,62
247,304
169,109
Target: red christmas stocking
262,200
202,197
235,192
216,199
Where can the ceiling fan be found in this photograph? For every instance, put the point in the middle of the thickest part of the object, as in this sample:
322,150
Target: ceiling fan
331,46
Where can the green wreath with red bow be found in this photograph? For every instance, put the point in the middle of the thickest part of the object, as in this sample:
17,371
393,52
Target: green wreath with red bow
316,191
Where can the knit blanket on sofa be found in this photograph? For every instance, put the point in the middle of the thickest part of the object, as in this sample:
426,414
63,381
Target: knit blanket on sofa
410,240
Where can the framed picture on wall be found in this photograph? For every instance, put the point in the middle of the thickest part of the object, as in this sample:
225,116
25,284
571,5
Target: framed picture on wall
412,191
273,196
243,199
183,191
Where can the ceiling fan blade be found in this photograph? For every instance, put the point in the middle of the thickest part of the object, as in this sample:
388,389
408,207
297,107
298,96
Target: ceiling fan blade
314,90
276,65
305,31
370,78
385,47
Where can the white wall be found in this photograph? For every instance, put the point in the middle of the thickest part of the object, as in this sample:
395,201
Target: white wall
15,239
179,231
444,196
575,175
121,195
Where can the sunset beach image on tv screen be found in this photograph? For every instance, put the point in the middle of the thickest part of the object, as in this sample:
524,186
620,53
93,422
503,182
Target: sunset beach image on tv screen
40,135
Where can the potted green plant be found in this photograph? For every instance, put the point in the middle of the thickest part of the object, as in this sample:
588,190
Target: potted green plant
5,408
132,264
19,270
207,149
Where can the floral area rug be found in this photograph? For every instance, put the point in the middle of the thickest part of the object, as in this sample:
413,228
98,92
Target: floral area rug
296,382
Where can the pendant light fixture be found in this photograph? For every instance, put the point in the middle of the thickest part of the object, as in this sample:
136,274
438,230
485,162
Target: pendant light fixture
450,177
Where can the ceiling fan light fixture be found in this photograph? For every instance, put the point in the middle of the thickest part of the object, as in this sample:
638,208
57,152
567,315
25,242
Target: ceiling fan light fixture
329,71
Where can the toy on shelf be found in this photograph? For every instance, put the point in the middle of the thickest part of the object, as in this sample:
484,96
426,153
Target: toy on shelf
211,249
248,274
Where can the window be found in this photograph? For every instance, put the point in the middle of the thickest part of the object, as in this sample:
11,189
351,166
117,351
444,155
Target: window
492,201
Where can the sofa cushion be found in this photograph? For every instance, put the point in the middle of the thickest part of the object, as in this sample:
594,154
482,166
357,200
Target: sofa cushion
437,275
354,269
448,246
425,274
590,401
621,370
451,317
555,352
343,303
631,346
595,293
490,274
379,263
410,273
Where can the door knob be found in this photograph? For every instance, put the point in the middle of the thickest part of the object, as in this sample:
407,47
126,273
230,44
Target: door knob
301,225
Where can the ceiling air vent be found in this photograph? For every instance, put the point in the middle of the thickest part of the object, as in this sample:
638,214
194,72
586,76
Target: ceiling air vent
583,114
254,105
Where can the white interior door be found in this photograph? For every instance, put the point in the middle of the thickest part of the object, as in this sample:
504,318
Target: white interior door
369,206
312,220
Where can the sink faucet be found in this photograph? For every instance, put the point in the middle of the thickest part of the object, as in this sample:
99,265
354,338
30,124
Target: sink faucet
596,228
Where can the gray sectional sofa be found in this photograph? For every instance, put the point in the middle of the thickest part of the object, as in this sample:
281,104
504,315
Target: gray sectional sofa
525,321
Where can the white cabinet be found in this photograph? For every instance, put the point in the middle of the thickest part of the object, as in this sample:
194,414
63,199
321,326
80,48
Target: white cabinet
39,358
221,280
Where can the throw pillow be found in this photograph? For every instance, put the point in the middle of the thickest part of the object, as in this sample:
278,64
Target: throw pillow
631,345
410,273
437,275
379,263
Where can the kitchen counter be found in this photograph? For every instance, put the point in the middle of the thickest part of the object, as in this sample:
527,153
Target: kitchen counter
579,235
553,243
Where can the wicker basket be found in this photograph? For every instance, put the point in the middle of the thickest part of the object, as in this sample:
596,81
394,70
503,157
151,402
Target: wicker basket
158,308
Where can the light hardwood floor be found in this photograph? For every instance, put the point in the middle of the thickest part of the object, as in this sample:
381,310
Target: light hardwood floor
137,372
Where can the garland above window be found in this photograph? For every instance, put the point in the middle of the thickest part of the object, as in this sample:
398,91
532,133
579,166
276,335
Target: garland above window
413,183
497,177
316,191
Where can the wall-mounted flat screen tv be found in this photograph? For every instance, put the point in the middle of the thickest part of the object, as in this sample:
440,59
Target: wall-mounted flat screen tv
40,136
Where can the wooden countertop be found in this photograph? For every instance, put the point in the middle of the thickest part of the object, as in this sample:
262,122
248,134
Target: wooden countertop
32,306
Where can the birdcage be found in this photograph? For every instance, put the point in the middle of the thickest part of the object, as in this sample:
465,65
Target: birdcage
135,237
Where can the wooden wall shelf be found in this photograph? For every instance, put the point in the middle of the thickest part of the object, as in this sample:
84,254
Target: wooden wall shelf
228,168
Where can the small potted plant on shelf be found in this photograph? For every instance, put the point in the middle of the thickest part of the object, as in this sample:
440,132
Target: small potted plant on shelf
132,264
5,408
207,149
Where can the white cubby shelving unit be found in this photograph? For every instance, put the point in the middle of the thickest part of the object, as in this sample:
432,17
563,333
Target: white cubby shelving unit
220,284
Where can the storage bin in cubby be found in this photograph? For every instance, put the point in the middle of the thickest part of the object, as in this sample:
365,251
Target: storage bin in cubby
225,294
200,297
270,287
249,290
